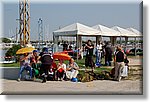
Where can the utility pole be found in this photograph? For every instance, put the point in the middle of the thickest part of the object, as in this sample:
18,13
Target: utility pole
40,32
24,20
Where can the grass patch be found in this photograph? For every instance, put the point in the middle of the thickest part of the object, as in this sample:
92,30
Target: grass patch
80,62
11,65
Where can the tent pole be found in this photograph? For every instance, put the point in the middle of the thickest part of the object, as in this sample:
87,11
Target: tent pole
98,38
55,39
77,45
126,40
54,43
120,41
115,41
135,46
111,40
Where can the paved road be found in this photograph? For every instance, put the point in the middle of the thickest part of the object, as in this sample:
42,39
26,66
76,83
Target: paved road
67,87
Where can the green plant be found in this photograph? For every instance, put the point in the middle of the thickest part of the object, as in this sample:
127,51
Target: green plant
12,51
5,40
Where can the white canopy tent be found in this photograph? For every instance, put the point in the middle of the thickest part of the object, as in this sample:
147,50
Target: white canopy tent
139,34
123,32
126,33
107,32
75,30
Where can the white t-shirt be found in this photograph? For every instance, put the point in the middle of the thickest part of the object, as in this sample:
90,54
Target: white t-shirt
64,66
99,47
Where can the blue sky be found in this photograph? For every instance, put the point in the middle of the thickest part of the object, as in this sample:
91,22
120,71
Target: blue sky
55,15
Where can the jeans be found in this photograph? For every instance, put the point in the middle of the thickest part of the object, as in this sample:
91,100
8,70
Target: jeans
108,63
22,68
98,59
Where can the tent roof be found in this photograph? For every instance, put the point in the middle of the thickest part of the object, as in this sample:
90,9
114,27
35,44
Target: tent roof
135,31
76,29
124,32
106,31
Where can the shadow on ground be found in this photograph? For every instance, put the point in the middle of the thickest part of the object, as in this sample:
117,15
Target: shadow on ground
11,73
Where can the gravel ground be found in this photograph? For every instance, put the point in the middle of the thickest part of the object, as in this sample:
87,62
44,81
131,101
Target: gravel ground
67,87
136,60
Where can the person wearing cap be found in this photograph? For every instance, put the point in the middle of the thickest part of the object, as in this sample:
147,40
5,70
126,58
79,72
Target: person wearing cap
72,69
119,63
34,57
34,61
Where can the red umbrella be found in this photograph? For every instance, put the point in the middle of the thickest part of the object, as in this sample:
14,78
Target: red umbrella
62,56
66,52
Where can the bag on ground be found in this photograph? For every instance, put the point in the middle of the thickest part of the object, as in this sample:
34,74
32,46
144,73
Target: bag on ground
124,71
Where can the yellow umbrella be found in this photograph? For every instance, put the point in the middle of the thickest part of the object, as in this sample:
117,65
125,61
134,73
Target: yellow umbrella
25,50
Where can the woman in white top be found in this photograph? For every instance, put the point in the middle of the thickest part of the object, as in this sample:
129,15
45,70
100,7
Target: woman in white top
61,70
98,54
72,69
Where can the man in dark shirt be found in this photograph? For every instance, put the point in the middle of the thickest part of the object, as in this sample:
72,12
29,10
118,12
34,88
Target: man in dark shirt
119,63
108,54
89,49
46,61
65,46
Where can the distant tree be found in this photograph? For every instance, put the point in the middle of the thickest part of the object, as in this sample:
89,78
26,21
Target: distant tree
12,51
5,40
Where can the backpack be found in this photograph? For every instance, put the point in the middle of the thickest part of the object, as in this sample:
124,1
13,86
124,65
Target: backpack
46,59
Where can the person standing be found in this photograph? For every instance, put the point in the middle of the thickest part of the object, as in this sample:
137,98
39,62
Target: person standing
89,55
119,63
82,51
46,60
98,54
108,54
65,46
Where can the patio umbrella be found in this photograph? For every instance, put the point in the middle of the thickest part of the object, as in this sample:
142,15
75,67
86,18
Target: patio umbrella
25,50
62,56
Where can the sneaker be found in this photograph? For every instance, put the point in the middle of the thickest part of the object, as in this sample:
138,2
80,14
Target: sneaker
44,80
18,79
119,79
61,79
34,78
